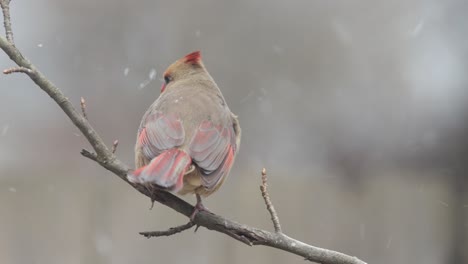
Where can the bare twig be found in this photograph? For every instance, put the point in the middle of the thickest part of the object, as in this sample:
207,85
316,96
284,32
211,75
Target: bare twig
114,145
171,231
268,203
83,107
90,155
103,156
17,69
5,4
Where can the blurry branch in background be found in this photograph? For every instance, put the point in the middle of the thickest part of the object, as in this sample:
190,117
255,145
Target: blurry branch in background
106,158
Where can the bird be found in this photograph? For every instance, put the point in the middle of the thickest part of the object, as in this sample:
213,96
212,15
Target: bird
188,138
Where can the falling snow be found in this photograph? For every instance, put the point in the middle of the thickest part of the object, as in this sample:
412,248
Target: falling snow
443,203
389,242
277,49
144,84
126,71
40,45
417,29
5,129
12,189
342,33
243,100
151,76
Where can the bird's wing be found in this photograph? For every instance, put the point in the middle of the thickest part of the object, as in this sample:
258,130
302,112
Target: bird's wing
213,148
160,132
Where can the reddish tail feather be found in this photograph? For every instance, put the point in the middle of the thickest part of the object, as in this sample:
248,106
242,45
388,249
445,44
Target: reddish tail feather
166,170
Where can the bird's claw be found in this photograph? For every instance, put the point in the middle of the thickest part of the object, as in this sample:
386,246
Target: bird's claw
198,208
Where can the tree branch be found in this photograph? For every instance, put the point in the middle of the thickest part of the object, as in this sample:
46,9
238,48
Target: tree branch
103,156
171,231
5,4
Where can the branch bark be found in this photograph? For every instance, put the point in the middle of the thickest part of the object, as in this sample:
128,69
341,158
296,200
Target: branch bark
5,4
106,158
171,231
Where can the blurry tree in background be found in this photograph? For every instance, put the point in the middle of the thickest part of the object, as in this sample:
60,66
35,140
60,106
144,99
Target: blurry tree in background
357,108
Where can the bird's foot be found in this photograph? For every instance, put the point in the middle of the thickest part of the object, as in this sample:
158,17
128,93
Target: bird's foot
198,208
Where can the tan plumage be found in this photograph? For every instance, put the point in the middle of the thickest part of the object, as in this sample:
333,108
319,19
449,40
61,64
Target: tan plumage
188,132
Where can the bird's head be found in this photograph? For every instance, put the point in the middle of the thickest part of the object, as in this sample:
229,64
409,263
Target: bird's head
187,67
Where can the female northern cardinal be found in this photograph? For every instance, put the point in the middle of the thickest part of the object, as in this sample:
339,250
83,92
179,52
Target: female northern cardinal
188,138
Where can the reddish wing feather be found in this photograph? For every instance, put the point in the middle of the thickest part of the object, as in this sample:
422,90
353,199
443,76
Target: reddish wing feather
212,150
166,170
211,181
160,132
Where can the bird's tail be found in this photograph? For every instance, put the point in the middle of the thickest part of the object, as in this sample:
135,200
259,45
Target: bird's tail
166,170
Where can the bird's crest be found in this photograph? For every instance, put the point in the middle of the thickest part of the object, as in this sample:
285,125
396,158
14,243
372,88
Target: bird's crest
193,58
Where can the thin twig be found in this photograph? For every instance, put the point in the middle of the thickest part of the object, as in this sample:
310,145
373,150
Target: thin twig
269,204
114,145
171,231
88,154
83,107
17,69
5,4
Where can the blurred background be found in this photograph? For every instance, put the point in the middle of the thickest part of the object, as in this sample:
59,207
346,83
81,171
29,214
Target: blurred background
357,109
